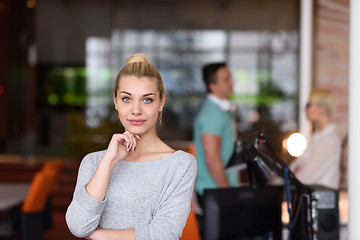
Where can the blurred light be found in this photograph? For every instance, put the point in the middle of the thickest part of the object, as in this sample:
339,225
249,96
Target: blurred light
69,73
284,212
53,99
4,7
68,98
31,3
295,144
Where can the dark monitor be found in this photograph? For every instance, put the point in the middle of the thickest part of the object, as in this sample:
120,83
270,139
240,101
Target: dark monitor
243,213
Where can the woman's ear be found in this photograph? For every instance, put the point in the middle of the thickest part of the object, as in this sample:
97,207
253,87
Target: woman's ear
162,103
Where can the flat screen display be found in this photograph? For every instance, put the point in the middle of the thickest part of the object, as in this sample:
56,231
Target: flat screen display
243,213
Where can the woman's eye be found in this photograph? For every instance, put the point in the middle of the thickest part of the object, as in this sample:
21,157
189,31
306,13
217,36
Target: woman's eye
148,100
126,99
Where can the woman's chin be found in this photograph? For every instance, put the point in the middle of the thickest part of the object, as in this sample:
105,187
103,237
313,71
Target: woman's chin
135,130
139,130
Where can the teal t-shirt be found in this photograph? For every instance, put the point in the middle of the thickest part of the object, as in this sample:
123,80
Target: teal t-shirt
212,120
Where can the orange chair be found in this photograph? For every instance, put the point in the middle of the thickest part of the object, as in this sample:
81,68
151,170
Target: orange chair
191,230
32,219
39,191
191,148
55,165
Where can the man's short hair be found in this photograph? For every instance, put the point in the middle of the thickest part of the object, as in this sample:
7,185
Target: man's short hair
209,73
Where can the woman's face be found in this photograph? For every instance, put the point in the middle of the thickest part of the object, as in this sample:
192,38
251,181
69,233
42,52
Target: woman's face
138,104
314,111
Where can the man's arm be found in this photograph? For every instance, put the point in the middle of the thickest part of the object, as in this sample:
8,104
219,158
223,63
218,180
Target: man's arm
212,146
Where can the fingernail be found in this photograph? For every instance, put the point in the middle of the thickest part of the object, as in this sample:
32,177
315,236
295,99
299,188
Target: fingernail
134,148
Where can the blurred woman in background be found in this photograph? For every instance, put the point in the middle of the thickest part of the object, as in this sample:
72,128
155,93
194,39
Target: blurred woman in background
320,163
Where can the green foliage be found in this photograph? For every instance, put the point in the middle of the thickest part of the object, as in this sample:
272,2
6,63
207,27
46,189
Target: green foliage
65,86
268,92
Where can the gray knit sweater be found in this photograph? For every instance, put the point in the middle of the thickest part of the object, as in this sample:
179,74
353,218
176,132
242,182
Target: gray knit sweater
152,197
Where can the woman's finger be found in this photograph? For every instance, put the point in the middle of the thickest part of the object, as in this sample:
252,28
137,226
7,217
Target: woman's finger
128,140
131,141
134,139
122,139
134,142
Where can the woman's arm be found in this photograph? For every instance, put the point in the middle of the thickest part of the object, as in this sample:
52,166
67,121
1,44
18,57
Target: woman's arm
85,210
119,147
174,205
113,234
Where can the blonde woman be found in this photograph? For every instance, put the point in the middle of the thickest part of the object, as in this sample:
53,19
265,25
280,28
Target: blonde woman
139,187
320,163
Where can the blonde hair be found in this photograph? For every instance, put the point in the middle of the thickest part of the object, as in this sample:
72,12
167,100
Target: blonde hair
323,97
138,65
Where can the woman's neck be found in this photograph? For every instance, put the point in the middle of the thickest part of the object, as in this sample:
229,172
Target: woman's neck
147,142
148,147
322,123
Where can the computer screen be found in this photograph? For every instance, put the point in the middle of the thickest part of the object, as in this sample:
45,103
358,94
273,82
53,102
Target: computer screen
243,213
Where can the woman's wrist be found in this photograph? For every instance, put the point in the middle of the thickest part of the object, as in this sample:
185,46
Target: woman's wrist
109,161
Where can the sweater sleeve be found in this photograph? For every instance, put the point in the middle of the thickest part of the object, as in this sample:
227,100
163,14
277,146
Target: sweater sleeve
84,212
173,210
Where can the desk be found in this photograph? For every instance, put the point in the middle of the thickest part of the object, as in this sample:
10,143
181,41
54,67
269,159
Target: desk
12,194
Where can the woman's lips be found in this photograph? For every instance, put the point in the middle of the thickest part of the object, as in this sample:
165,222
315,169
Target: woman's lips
136,122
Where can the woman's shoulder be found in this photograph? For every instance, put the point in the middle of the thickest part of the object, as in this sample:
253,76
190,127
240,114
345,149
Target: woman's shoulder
95,155
93,158
183,154
184,158
184,164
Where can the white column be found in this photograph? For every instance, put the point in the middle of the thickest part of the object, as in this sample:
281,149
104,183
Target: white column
354,122
305,79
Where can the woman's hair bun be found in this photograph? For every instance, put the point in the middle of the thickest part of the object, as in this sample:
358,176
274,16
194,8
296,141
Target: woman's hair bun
138,57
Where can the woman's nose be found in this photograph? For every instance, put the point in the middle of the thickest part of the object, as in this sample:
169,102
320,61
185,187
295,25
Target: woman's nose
136,113
136,110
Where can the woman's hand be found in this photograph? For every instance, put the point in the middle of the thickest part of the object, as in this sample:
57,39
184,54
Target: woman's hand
96,235
120,146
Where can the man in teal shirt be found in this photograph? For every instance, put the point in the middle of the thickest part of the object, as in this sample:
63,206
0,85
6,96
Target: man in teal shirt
214,133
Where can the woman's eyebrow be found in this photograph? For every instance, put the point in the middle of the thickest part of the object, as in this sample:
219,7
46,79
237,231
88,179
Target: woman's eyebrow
126,92
145,95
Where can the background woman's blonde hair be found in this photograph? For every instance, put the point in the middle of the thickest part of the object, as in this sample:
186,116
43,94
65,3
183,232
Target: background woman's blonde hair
138,65
323,97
